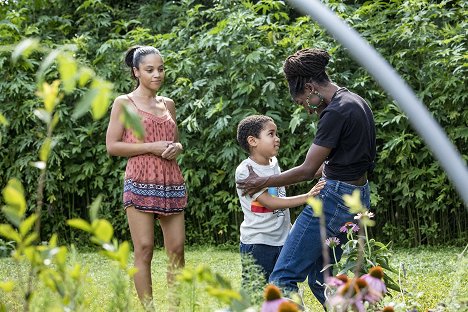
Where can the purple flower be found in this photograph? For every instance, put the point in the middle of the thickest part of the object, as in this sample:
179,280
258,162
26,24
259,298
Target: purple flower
332,242
355,292
272,305
336,281
375,284
349,226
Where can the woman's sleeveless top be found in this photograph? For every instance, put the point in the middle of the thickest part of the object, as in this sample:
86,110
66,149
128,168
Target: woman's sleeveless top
152,183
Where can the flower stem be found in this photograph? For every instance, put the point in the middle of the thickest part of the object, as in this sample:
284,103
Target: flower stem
325,255
367,240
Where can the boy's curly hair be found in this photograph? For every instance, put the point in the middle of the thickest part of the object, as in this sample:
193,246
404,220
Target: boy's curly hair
250,126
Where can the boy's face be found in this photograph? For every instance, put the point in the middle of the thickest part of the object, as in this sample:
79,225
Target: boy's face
267,143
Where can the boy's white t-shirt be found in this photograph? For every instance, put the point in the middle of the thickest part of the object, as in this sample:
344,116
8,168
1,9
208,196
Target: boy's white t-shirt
261,225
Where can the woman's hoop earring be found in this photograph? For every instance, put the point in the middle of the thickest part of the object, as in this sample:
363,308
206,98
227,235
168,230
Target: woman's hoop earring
314,107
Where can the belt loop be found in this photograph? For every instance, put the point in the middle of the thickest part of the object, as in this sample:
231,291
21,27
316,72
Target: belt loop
337,185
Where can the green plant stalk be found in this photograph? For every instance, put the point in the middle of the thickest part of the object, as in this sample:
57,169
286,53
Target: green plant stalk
325,254
37,226
334,256
367,241
359,261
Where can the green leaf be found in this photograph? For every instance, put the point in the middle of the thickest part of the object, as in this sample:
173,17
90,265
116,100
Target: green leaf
9,232
48,61
24,48
13,194
94,208
67,69
44,152
132,121
85,74
55,120
85,103
61,256
28,240
27,224
3,120
123,254
80,224
49,95
53,241
102,100
7,286
103,230
13,215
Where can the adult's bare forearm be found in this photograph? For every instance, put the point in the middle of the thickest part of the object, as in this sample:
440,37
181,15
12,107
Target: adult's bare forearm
291,176
123,149
319,172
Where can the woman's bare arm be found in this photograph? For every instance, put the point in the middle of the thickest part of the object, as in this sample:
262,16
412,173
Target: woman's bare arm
175,148
115,129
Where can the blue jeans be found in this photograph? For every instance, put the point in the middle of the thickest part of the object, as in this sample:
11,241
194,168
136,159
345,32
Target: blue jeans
301,255
264,256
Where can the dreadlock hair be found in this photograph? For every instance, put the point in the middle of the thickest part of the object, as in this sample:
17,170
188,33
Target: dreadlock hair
306,65
135,54
250,126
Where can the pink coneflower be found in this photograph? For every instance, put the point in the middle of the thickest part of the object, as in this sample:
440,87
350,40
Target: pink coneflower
349,226
273,299
335,281
332,242
377,286
288,306
350,295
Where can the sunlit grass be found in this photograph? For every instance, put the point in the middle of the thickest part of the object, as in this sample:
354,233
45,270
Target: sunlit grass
431,274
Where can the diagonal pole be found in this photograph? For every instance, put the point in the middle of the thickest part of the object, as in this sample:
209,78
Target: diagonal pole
419,117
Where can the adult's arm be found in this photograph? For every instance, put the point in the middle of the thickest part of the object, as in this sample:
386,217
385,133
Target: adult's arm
115,129
175,148
305,172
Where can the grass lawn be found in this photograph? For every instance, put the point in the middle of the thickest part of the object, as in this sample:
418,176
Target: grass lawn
431,274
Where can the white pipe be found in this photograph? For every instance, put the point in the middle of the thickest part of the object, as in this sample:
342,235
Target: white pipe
383,72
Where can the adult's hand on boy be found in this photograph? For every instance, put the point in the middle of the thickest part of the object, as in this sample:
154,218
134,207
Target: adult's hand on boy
253,183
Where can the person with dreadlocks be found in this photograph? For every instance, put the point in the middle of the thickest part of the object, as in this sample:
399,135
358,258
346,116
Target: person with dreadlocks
342,153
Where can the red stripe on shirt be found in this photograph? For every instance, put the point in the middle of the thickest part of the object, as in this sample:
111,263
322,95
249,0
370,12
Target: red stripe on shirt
255,206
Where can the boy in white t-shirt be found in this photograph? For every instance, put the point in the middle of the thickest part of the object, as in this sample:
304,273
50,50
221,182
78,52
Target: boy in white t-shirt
266,215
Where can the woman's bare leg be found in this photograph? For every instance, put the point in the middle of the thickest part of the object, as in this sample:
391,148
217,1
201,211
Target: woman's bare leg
173,228
142,231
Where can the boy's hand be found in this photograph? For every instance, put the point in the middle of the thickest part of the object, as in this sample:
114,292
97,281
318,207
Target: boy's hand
253,183
316,189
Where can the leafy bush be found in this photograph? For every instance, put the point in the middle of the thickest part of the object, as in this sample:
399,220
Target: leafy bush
223,63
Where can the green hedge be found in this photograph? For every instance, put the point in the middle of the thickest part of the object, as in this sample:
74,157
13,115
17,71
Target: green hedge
224,62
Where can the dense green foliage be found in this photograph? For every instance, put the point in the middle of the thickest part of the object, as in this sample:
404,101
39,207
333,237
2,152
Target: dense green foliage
223,61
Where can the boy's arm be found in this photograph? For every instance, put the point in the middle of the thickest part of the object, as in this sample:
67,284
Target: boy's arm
273,203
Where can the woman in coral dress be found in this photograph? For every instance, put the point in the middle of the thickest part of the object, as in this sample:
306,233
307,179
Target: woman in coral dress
154,187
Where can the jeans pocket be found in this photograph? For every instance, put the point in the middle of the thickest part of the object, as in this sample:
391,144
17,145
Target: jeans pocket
340,216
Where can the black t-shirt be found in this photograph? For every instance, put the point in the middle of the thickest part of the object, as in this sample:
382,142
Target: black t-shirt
346,126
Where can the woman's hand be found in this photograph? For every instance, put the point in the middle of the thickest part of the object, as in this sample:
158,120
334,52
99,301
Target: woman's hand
158,148
316,189
253,183
172,150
